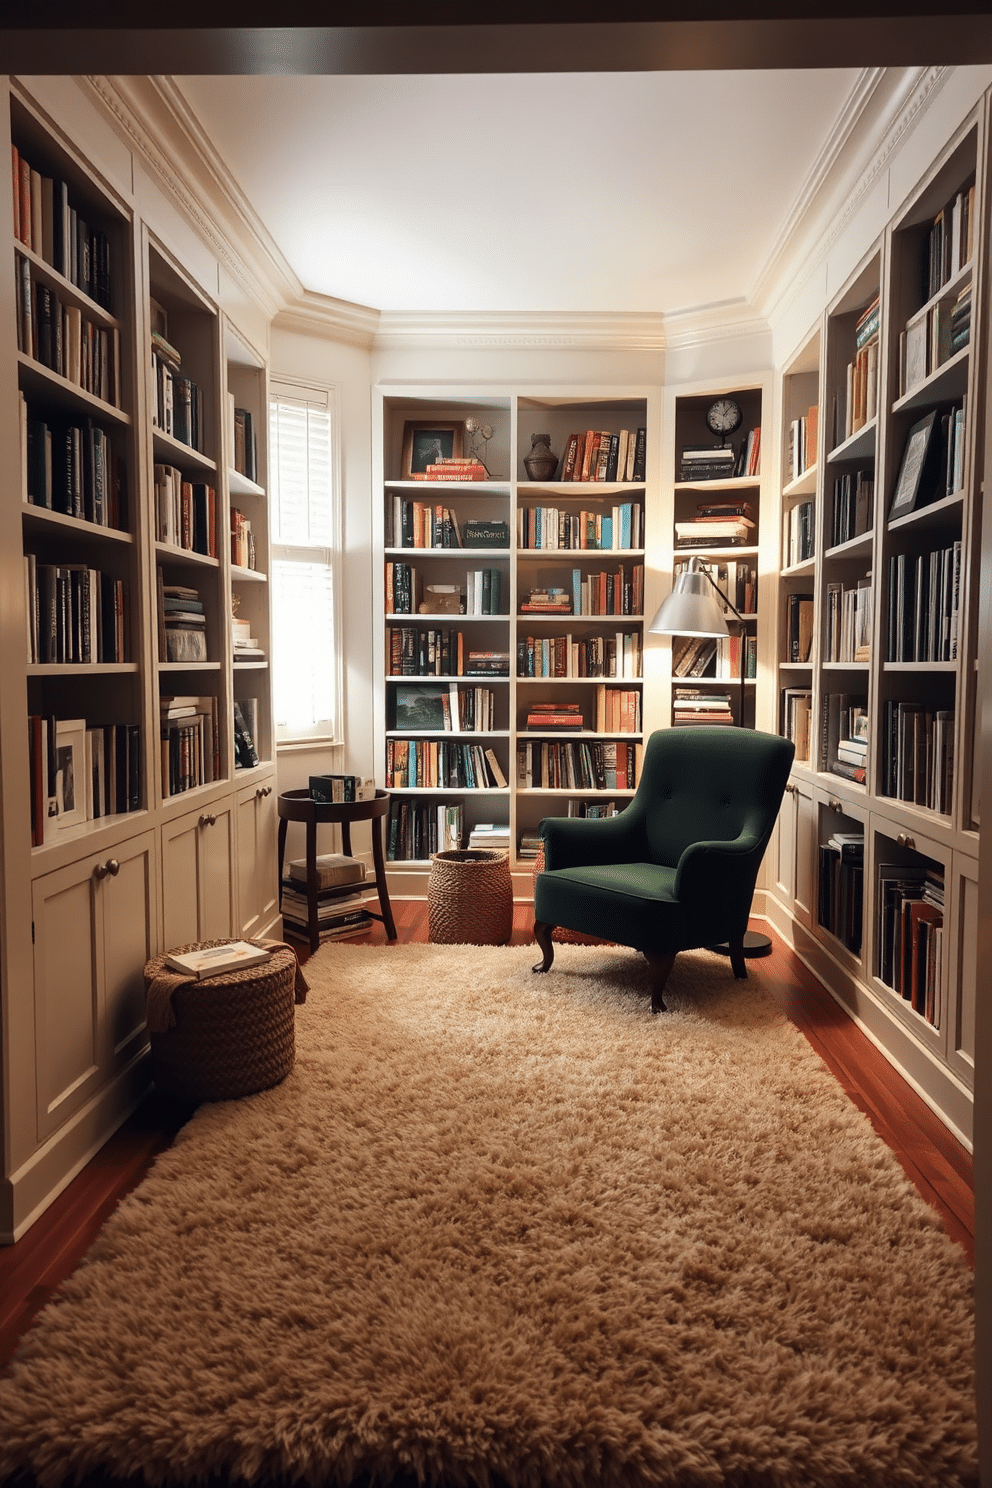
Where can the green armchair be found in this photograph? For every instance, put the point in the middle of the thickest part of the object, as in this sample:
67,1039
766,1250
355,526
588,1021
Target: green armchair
676,869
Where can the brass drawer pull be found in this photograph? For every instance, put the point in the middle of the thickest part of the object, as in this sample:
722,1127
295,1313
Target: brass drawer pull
207,819
109,869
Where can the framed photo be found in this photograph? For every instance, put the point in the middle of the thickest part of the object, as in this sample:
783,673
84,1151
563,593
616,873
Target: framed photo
427,444
420,708
70,771
909,486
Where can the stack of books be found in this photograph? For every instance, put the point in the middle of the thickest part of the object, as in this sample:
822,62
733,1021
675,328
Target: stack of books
246,647
183,624
455,469
692,706
492,835
706,462
549,601
717,525
555,716
340,909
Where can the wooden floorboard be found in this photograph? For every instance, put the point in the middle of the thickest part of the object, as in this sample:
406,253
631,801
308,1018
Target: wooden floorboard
933,1159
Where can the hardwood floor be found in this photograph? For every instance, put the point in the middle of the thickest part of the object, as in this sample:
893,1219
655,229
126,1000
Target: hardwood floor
941,1169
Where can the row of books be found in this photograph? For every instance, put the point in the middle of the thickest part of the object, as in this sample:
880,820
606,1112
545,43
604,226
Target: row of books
856,400
854,506
840,888
709,462
576,764
70,466
797,713
798,627
949,243
433,764
800,533
46,222
615,710
726,657
736,577
242,540
924,598
177,407
483,594
182,622
418,828
190,742
331,788
599,455
844,735
450,709
60,337
76,615
554,528
616,655
918,755
422,524
244,440
609,592
800,451
695,707
79,772
718,524
245,733
848,622
933,337
185,512
440,653
910,908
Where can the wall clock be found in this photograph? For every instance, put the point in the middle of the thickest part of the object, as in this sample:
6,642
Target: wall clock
724,417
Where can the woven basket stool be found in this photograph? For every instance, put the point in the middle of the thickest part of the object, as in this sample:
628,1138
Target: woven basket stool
234,1033
470,897
559,934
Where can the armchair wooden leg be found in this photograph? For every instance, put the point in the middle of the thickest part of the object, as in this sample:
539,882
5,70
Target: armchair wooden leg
542,934
737,959
659,966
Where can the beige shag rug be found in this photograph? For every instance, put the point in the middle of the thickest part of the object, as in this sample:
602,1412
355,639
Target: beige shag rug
499,1227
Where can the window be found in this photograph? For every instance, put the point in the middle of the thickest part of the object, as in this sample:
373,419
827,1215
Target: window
305,545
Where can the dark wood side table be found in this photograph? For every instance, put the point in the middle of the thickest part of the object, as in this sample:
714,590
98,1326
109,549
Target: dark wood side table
296,805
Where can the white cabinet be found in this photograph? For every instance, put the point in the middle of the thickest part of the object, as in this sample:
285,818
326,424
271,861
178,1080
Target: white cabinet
795,852
258,885
198,874
95,926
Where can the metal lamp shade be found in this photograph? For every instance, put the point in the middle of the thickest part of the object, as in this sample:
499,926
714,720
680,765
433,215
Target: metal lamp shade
690,609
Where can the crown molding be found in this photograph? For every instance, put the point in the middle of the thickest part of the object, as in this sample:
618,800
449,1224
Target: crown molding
170,143
314,314
522,330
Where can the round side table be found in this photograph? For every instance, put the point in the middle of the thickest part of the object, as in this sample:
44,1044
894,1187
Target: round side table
297,805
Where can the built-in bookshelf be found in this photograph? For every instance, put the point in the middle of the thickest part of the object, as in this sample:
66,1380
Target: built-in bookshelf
717,461
877,847
127,822
520,587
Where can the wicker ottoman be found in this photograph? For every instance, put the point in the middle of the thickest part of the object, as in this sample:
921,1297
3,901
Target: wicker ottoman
233,1034
470,897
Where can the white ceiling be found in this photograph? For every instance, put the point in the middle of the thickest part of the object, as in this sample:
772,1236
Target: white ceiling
528,192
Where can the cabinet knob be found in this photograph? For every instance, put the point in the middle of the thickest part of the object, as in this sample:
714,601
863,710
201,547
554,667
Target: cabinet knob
207,819
262,792
904,840
109,869
790,788
835,806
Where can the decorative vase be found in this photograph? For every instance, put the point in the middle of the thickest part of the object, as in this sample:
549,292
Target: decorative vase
542,462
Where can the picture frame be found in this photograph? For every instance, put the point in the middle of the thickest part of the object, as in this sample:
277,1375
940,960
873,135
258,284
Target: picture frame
909,483
421,708
70,772
426,443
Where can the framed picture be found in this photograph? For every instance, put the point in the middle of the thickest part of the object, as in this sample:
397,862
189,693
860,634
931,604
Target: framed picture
421,707
70,771
909,486
428,444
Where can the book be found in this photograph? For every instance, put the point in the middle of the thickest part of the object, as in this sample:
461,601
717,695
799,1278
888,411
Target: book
234,955
332,869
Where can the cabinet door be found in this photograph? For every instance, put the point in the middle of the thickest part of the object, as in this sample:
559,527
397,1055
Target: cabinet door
257,871
794,867
94,929
198,875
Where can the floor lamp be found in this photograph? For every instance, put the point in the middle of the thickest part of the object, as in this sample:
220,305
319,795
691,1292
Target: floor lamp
692,609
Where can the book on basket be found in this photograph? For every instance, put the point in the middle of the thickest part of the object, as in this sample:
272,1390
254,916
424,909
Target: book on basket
332,869
212,960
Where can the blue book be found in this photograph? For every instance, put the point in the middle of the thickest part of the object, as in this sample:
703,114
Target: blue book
606,532
576,591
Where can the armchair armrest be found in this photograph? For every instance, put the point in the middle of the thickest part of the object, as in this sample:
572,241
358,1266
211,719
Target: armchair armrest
574,841
714,882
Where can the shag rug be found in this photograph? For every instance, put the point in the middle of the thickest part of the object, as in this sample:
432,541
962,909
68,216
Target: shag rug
506,1228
